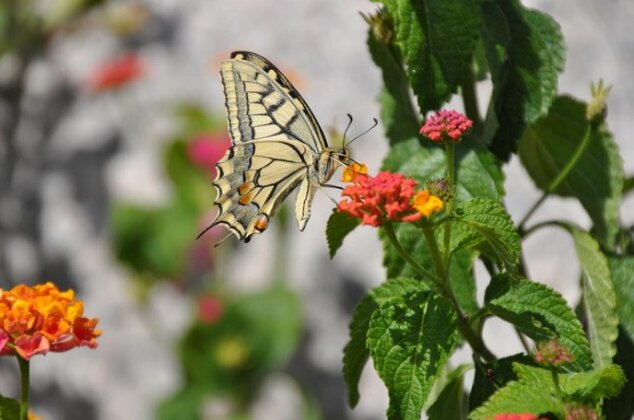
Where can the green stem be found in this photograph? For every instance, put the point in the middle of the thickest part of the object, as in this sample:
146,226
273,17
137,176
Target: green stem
451,178
436,258
555,377
24,381
561,177
388,228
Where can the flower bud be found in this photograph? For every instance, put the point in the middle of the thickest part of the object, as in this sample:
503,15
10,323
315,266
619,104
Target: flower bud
380,26
440,188
597,107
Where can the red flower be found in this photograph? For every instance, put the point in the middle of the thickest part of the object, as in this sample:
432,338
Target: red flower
116,73
205,150
385,197
445,125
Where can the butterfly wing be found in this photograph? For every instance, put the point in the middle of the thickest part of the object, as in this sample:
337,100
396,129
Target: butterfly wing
275,140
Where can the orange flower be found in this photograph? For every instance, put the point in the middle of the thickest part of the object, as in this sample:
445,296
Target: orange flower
350,172
117,72
36,320
426,203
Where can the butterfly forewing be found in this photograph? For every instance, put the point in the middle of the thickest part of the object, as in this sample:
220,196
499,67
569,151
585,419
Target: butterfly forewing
276,142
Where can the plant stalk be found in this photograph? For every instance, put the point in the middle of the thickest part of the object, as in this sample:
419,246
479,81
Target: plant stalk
24,382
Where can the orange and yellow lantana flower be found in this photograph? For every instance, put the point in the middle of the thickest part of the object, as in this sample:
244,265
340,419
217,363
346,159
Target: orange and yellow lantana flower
36,320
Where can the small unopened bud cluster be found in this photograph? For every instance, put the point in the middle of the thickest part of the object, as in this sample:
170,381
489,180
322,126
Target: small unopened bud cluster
580,412
552,353
380,25
597,107
440,188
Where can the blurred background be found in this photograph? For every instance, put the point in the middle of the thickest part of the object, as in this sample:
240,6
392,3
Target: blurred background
111,118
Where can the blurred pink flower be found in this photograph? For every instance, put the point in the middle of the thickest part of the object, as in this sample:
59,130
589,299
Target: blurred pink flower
210,309
205,150
116,72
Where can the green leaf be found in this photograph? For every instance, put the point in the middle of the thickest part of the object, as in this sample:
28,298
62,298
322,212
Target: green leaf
9,409
437,40
410,340
622,269
525,51
451,404
622,406
356,353
628,184
491,376
485,225
338,227
478,173
533,392
596,180
397,112
541,313
462,280
599,299
603,382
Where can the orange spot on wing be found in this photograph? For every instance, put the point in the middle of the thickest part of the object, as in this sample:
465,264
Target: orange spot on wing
244,188
246,198
261,222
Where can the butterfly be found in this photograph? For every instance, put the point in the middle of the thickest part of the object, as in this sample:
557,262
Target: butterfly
277,147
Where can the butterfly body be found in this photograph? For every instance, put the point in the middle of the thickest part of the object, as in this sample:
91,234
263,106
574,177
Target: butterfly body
277,147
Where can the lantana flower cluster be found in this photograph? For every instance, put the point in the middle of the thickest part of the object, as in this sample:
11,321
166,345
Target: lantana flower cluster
385,197
36,320
446,124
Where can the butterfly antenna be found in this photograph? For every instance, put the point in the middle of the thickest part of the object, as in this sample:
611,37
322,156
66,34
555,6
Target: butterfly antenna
376,122
346,130
328,195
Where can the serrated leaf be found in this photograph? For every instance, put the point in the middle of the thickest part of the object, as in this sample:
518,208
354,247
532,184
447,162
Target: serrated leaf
541,313
603,382
525,51
491,376
598,297
9,409
397,111
410,340
622,406
596,180
451,404
622,269
533,392
356,353
482,221
338,227
437,39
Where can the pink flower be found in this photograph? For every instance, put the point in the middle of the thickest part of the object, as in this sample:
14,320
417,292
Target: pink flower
205,150
445,125
517,416
116,72
210,309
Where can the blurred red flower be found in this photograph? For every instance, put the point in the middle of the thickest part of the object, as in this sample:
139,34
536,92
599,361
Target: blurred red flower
116,73
210,309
